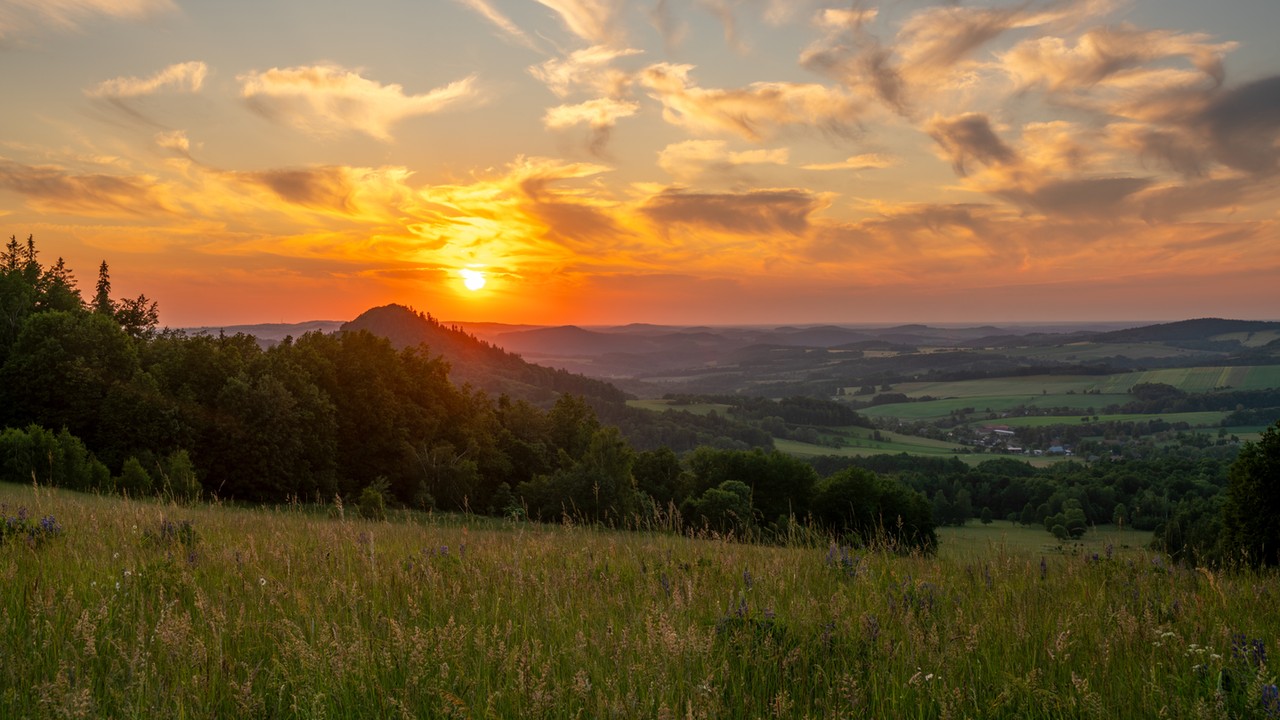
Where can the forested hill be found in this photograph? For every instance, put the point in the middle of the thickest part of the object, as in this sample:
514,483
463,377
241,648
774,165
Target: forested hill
1198,330
477,363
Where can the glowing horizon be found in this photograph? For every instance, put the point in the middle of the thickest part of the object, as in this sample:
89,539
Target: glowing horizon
607,162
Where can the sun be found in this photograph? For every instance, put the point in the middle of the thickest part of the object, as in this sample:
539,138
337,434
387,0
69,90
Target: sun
473,279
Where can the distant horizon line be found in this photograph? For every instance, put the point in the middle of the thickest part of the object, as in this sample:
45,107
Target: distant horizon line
753,325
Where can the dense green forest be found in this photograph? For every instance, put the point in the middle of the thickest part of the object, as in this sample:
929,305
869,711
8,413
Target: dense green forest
95,396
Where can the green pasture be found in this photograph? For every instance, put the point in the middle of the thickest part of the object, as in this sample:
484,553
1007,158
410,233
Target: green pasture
1191,379
1194,419
1251,339
153,610
983,405
975,540
1089,351
660,405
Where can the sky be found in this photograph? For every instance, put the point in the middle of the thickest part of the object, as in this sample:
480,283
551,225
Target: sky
666,161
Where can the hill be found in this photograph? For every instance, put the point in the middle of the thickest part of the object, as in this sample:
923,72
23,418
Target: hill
476,362
1201,329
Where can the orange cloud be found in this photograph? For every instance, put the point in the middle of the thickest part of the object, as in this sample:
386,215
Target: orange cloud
181,77
588,68
755,112
595,21
69,15
51,189
499,20
689,161
323,99
866,161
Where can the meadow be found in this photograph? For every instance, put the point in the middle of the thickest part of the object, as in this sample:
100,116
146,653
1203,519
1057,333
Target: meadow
145,609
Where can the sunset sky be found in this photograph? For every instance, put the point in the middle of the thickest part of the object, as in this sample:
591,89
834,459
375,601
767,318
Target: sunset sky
666,161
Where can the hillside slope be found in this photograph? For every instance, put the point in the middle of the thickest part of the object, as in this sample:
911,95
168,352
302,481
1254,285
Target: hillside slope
476,362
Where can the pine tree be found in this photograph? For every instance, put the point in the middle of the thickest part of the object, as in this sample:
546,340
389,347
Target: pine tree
102,297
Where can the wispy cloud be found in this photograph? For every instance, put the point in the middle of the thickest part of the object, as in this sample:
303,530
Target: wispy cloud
487,11
599,115
588,68
757,212
52,189
755,112
22,16
867,161
323,99
180,77
689,161
969,138
595,21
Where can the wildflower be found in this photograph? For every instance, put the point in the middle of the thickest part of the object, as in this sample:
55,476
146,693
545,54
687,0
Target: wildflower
1271,700
1253,652
262,582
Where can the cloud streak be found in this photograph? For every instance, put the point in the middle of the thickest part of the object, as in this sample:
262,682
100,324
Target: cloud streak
18,17
326,99
755,112
181,77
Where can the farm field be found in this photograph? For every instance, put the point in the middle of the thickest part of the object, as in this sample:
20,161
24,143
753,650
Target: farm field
1086,351
938,409
1194,419
1192,379
148,610
660,405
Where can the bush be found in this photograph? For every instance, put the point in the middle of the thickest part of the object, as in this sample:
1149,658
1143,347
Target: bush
372,504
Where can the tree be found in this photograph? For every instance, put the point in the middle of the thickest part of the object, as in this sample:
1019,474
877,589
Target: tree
102,296
1119,514
986,516
1251,515
724,508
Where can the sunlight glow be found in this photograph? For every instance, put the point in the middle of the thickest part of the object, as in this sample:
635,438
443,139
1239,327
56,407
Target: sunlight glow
473,279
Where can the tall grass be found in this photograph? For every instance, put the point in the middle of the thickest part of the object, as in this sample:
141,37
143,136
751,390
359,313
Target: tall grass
286,613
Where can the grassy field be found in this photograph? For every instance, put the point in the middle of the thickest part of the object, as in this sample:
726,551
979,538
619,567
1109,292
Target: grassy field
280,613
976,540
1194,419
938,409
694,408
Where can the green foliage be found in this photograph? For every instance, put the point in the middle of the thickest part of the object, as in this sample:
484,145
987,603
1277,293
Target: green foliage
61,460
1251,513
781,485
869,509
598,487
134,479
724,508
179,477
372,504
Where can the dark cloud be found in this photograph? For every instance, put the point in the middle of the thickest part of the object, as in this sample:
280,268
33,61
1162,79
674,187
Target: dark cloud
1244,125
969,137
1097,197
567,220
1167,204
760,211
51,188
327,188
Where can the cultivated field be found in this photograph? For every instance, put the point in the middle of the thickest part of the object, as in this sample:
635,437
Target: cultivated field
287,613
